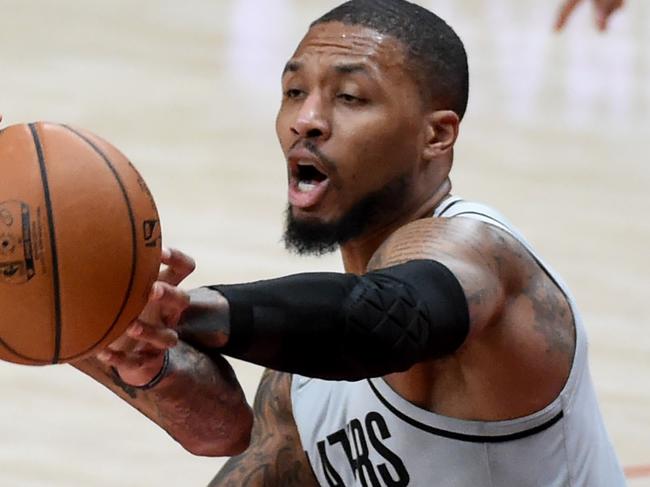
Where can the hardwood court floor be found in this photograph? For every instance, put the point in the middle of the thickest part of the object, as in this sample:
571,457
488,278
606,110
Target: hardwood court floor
556,137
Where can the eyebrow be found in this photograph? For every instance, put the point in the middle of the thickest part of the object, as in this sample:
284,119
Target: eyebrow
291,67
345,68
350,68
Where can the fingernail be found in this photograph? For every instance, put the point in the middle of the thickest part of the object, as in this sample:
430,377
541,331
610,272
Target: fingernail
166,253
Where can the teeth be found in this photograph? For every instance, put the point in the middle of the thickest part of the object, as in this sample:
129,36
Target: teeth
305,186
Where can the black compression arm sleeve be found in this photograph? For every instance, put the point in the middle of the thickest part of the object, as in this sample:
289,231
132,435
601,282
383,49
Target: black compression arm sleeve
348,327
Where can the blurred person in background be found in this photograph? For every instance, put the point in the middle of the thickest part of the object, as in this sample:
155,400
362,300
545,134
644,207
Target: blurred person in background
602,10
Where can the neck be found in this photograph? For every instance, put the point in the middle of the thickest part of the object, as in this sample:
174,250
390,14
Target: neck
357,253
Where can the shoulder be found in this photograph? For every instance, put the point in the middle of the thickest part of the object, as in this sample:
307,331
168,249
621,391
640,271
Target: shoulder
446,239
492,266
517,311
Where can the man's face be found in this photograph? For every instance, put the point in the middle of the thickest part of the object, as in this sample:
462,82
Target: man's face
351,127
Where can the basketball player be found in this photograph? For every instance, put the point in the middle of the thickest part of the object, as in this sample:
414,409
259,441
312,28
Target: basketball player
448,354
603,9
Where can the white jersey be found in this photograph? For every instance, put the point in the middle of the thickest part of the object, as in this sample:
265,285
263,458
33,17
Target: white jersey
365,434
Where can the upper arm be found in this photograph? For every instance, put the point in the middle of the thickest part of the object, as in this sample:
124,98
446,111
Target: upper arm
275,456
483,258
512,301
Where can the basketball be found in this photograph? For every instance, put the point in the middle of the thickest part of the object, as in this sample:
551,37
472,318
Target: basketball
80,243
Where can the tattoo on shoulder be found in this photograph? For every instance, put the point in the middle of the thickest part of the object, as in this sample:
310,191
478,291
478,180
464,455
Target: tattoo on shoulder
438,238
554,320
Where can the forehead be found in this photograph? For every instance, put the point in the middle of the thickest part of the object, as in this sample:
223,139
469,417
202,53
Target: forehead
332,41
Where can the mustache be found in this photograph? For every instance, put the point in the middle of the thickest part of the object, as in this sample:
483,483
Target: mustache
330,164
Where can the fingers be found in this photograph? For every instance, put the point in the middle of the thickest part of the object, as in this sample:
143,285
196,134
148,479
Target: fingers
179,266
158,337
138,353
565,12
131,360
166,304
601,20
604,10
169,303
140,363
170,295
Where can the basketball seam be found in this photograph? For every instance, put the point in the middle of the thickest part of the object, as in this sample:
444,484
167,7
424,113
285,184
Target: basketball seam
133,238
55,257
20,355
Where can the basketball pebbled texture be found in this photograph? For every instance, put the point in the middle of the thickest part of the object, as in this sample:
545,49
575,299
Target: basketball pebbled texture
79,243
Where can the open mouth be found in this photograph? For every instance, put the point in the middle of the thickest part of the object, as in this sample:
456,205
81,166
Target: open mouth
308,185
308,177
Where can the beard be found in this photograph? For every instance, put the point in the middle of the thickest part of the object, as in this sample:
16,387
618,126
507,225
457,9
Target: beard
313,237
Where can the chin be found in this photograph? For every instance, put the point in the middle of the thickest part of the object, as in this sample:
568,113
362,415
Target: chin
307,234
310,215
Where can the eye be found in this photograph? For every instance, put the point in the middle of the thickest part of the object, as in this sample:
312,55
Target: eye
350,99
293,93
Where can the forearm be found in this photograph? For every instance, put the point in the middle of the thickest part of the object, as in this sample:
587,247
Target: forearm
198,401
337,326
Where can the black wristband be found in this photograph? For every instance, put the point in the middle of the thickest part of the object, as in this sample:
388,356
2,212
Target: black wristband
162,373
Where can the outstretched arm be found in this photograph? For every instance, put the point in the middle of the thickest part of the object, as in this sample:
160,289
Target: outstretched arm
195,398
433,287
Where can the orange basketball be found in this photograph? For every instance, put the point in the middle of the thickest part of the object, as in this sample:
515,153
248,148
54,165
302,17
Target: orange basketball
79,243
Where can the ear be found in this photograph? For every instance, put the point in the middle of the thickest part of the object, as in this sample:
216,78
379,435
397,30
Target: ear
441,134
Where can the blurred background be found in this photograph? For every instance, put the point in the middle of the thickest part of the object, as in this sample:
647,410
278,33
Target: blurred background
556,136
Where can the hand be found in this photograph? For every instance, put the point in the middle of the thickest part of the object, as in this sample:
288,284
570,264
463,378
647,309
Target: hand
138,355
602,8
206,323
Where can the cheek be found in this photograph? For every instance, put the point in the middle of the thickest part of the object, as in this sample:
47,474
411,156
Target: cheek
379,148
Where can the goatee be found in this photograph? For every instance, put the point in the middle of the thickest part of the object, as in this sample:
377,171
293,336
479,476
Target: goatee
313,237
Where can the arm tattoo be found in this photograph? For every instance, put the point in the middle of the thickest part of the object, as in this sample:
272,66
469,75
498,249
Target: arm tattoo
130,391
275,457
553,318
198,402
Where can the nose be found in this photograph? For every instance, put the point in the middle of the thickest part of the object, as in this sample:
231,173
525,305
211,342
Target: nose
311,120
